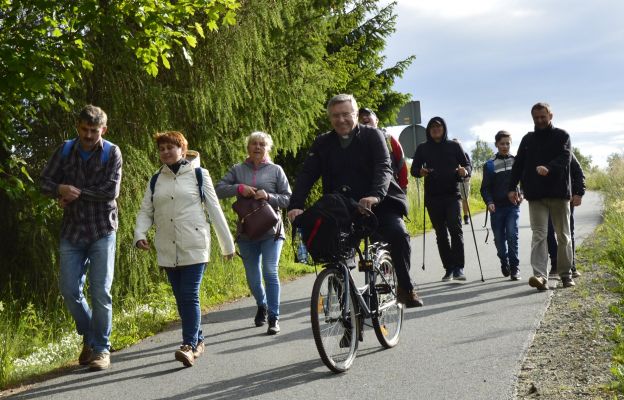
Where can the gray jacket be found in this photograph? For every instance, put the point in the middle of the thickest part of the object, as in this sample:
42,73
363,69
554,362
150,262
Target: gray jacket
267,176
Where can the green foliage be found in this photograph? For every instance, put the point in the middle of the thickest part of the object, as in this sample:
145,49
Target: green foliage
155,66
480,154
48,47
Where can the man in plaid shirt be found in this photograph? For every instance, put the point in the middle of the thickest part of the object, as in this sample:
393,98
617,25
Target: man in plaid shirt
84,174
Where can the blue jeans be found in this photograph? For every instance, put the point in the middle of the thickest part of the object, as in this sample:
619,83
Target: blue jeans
261,259
98,258
185,282
505,229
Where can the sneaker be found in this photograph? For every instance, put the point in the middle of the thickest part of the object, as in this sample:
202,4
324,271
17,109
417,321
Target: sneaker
448,275
409,298
261,316
505,270
567,282
85,355
575,273
515,274
538,282
458,274
466,220
553,274
100,361
185,355
274,327
199,349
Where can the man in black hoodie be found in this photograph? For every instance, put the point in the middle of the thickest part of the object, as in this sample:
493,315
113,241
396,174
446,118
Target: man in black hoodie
356,157
543,167
443,164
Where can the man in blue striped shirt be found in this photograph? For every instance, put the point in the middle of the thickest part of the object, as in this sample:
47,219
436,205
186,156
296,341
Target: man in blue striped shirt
84,175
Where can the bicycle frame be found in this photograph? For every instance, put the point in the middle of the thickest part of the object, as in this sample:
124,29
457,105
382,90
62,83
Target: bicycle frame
368,292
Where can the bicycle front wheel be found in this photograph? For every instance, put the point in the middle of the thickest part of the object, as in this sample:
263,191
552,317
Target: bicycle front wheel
388,318
335,332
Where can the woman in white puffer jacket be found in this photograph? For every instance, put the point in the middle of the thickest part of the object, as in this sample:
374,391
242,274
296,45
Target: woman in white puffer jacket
173,203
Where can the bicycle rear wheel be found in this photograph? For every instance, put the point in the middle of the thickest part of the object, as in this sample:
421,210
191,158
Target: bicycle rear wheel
335,335
388,319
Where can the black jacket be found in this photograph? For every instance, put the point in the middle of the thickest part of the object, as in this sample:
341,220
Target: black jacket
549,147
363,166
442,159
577,177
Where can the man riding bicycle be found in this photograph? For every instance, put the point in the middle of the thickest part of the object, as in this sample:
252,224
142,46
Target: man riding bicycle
356,156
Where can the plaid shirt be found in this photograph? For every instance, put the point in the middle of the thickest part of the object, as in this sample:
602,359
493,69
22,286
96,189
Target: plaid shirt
93,214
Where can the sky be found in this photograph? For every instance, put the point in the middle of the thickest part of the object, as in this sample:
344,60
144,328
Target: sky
482,64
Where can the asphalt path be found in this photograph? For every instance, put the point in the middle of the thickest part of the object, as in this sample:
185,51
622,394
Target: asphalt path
467,342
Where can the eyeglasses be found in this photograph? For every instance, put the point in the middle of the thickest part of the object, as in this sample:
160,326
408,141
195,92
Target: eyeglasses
344,115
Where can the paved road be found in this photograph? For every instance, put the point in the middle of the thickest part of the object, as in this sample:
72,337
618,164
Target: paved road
466,343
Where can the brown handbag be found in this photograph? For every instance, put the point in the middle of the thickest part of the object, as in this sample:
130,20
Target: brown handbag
255,217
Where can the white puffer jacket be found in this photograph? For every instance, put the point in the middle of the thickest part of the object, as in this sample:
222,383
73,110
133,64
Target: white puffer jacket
182,229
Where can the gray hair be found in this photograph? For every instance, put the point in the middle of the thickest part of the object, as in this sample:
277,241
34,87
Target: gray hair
258,135
93,116
341,98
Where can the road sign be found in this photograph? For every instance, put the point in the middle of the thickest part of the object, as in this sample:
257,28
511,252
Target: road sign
409,114
410,138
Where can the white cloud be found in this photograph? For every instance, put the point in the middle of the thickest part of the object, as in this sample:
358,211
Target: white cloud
607,122
451,9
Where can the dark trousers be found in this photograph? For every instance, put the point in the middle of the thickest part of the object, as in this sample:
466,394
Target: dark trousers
391,229
445,216
552,241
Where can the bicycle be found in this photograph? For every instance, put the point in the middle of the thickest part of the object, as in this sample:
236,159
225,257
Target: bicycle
338,308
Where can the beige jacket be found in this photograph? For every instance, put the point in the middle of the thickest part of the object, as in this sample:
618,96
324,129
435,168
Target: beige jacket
182,228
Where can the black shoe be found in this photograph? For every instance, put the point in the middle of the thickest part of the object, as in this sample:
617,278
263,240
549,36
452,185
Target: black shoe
409,298
505,270
515,274
274,327
261,316
448,275
458,274
465,219
567,282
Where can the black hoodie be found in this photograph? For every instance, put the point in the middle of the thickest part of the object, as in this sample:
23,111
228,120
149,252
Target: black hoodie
442,159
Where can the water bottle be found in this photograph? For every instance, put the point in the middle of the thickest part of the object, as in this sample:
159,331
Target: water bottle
302,252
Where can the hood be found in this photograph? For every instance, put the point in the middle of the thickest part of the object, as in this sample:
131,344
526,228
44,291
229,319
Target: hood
192,157
441,121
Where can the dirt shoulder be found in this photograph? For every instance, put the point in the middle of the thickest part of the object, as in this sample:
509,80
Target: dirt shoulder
570,356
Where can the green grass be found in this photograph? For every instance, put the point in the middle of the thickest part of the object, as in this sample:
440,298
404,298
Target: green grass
608,250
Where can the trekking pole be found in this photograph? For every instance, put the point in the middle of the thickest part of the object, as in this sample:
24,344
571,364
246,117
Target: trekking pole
487,230
472,227
424,217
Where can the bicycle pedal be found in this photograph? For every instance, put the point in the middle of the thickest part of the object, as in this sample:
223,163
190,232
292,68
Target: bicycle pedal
365,265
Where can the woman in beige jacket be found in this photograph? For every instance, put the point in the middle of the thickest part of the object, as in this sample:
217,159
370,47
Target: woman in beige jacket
174,203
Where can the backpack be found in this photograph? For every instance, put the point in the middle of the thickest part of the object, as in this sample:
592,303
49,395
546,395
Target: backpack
330,229
198,175
106,149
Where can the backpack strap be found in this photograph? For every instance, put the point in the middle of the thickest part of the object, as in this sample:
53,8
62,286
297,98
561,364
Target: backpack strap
106,149
107,146
153,180
198,175
200,183
67,146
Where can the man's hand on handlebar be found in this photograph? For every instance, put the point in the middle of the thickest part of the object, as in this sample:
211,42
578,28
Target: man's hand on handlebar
368,202
292,214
